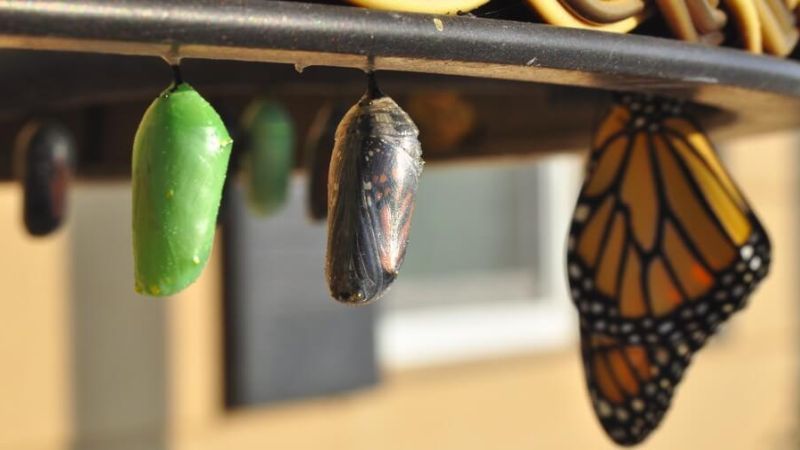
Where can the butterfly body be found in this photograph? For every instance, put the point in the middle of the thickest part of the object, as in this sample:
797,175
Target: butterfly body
663,248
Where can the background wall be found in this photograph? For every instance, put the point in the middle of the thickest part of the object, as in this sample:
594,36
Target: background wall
85,363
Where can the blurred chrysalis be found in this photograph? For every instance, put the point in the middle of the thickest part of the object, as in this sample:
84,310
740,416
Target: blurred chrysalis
268,155
44,159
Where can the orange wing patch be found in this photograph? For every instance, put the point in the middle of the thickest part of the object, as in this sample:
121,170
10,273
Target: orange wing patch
632,300
639,194
608,269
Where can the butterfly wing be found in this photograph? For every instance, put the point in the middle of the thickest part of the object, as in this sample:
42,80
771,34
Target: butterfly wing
630,385
662,245
663,248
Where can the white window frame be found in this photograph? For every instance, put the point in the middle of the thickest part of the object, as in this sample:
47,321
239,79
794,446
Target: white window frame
447,334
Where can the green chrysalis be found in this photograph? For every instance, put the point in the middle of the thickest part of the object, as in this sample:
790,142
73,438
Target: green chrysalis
269,155
180,158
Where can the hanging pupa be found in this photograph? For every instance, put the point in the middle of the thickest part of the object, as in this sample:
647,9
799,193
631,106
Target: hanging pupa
375,168
44,158
180,158
269,155
319,145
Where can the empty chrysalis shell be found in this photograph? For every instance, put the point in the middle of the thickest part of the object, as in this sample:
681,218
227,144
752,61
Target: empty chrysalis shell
269,155
44,158
180,158
319,146
375,168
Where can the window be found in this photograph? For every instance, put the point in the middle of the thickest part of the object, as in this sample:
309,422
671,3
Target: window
484,270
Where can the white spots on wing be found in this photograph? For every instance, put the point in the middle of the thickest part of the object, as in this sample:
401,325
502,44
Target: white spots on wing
662,357
701,309
574,271
603,409
727,279
581,213
571,243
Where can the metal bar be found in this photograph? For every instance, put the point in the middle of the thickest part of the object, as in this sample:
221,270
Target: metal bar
312,34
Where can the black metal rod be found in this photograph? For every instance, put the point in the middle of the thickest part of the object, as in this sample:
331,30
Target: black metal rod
311,34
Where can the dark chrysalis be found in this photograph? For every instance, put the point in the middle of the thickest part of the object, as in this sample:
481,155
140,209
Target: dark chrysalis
375,168
44,159
319,145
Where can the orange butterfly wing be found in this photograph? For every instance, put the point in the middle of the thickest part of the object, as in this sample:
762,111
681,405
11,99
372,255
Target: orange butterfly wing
663,247
631,386
662,241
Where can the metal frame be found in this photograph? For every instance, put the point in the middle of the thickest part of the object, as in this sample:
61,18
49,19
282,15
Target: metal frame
311,34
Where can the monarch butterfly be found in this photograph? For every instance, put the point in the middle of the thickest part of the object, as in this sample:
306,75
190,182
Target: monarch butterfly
268,158
662,249
375,168
44,159
180,157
